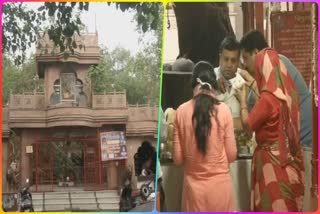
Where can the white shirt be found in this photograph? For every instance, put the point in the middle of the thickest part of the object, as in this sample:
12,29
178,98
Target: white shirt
160,173
229,96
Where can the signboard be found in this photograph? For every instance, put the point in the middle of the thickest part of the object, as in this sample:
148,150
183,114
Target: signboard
113,146
29,149
292,37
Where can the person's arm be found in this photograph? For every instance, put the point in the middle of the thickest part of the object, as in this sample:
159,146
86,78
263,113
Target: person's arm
177,150
250,82
241,96
258,115
244,118
229,138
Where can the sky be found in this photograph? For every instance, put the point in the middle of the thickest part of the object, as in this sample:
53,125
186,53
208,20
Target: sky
114,27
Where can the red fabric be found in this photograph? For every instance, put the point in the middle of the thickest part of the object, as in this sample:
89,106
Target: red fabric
264,118
272,77
277,164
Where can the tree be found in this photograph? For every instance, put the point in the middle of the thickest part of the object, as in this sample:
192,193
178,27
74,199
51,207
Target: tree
22,26
201,33
138,75
120,71
19,79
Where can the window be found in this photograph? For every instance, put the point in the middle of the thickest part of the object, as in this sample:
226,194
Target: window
68,89
68,82
56,97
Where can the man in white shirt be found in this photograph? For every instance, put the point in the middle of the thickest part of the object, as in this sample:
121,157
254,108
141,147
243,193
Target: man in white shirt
229,78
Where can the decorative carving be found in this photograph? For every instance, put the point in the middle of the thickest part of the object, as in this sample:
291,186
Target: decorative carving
40,102
99,100
17,101
68,86
27,100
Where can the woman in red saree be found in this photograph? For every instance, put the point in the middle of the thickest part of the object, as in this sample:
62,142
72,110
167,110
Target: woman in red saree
277,175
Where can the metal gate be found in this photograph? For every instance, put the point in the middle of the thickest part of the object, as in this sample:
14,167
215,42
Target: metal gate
92,167
54,165
43,167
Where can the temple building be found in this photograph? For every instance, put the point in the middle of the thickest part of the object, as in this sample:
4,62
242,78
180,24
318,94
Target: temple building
68,136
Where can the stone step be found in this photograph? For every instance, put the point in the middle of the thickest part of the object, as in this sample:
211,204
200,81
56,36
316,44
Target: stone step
38,208
37,201
108,200
37,195
106,194
56,195
84,207
56,201
56,207
109,207
83,195
83,201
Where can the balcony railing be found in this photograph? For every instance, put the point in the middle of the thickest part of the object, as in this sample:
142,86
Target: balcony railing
109,100
36,101
143,112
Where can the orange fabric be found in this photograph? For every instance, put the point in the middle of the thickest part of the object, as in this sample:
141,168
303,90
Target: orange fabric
205,176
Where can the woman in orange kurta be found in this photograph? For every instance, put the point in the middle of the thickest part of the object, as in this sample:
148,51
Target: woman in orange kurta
204,142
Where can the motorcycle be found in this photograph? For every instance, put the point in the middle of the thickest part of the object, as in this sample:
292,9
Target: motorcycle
129,200
146,190
26,198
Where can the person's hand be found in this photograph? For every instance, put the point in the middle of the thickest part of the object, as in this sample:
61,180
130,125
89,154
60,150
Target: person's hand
247,77
241,94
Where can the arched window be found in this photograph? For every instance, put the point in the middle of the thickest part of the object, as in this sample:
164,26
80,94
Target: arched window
68,82
81,98
68,89
56,95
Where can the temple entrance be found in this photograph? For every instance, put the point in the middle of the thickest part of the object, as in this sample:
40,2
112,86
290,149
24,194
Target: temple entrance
68,163
59,165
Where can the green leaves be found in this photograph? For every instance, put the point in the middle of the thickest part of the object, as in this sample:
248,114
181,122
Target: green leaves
21,26
19,79
119,70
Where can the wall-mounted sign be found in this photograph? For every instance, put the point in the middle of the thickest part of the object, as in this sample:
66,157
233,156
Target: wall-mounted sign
113,146
29,149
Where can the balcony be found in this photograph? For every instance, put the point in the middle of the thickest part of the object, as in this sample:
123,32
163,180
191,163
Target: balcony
30,111
27,101
109,100
143,120
36,101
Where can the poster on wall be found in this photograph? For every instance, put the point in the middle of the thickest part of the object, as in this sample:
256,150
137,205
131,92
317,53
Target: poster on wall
113,146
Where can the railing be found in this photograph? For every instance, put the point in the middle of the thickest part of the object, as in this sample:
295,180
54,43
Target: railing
143,113
109,100
36,101
27,101
5,114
